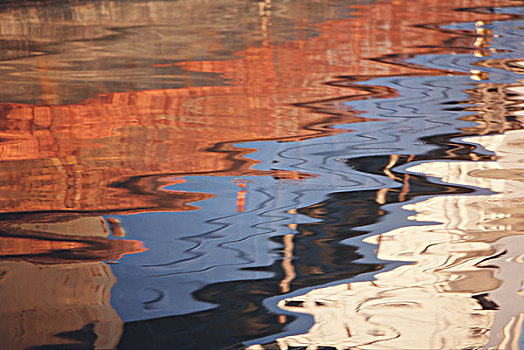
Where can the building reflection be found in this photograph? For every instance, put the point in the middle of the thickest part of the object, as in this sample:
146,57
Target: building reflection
461,285
105,153
55,286
149,109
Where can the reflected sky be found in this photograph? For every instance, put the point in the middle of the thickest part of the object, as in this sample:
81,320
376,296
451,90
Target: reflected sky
462,286
265,173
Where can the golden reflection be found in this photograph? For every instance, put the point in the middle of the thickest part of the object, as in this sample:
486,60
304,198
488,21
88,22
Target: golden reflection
287,264
393,159
481,43
264,11
382,193
381,196
55,287
116,227
41,304
499,106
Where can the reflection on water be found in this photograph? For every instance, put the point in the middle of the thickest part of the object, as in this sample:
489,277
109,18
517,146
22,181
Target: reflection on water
56,286
463,284
261,151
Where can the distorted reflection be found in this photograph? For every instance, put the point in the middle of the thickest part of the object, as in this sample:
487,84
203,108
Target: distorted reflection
463,284
55,286
243,143
70,146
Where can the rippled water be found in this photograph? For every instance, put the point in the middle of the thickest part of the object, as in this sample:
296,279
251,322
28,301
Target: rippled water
261,174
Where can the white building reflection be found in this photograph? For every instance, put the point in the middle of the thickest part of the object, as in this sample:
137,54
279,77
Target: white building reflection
462,284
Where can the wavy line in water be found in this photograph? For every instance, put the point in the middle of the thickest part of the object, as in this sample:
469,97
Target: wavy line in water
448,280
86,157
122,124
219,291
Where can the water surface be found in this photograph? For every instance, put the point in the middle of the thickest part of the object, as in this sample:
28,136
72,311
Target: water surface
187,174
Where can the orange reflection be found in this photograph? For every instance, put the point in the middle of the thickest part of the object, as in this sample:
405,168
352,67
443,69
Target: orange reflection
54,286
105,153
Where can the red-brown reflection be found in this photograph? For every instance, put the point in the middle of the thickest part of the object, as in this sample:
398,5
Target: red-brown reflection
93,156
42,304
112,152
54,286
54,240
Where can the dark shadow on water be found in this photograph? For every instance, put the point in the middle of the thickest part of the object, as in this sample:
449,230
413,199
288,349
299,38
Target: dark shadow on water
318,258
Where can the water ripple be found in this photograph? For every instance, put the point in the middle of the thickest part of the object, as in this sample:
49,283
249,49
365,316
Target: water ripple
294,143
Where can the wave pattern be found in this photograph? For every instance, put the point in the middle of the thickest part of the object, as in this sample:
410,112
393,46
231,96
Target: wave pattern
294,141
461,286
419,118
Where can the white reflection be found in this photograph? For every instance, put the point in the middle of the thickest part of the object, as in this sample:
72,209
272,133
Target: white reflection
463,286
